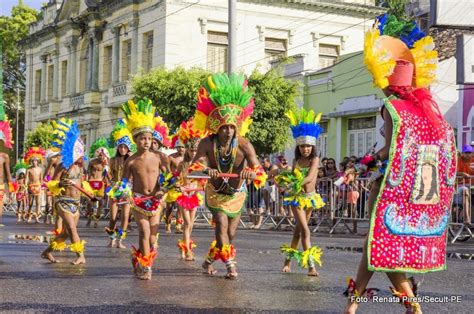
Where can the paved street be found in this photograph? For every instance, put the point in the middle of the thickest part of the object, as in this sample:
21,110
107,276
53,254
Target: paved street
106,284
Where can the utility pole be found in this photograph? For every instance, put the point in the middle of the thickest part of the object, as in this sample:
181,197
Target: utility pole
232,31
17,120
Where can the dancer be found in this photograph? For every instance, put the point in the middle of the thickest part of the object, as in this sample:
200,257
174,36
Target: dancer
224,109
411,195
97,179
6,138
299,185
65,186
52,159
143,169
190,197
172,195
21,190
34,157
123,142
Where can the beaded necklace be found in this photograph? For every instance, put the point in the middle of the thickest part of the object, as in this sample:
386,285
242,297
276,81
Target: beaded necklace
225,160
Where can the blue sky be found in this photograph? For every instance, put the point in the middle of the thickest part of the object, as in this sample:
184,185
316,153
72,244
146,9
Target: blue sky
6,5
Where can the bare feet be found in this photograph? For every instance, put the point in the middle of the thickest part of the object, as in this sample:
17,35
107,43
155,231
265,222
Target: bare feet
312,272
286,267
231,273
79,260
208,268
145,274
96,224
111,243
351,308
189,257
47,255
168,228
120,245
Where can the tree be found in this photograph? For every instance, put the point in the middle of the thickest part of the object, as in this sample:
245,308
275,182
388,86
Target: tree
41,136
14,29
174,92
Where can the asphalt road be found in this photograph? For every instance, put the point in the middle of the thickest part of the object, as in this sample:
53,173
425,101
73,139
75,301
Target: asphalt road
106,284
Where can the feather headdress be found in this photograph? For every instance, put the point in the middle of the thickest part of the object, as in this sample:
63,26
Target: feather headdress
121,135
391,40
140,116
161,132
20,167
67,138
35,153
224,100
189,135
100,145
305,126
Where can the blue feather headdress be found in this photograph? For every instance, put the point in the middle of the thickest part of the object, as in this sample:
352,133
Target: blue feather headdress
305,126
67,138
407,31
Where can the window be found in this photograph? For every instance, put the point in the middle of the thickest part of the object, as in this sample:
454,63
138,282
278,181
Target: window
328,55
84,66
38,85
217,44
64,78
50,81
107,73
147,52
126,60
361,136
275,49
322,141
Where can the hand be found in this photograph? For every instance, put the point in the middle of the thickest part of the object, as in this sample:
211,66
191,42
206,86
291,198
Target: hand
213,173
159,194
247,175
65,183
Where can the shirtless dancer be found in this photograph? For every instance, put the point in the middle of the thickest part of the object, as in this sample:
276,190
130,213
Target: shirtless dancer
34,178
143,169
175,160
226,152
67,175
52,158
122,139
97,179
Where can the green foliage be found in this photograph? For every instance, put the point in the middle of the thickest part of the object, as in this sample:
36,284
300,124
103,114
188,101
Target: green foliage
174,93
42,136
395,7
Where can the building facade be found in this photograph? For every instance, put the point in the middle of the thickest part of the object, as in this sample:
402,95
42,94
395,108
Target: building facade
81,55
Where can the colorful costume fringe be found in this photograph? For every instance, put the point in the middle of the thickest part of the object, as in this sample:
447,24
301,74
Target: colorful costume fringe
57,246
184,248
120,190
226,254
292,183
5,128
306,258
143,261
224,99
78,247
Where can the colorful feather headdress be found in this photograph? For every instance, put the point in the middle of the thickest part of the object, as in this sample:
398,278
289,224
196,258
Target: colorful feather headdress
161,132
67,138
189,135
20,167
140,116
224,100
121,135
100,145
391,40
305,126
35,153
175,142
51,152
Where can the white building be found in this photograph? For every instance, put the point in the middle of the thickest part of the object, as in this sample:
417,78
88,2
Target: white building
82,54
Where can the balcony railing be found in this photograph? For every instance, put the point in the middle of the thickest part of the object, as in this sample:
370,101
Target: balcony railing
120,89
77,101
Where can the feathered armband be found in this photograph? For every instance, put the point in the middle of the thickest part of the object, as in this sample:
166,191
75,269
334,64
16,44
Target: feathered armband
260,176
54,187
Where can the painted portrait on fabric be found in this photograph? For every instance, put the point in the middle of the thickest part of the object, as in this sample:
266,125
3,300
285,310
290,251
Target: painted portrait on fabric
426,188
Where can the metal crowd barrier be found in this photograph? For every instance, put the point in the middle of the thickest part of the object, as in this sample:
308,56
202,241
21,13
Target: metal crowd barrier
461,220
